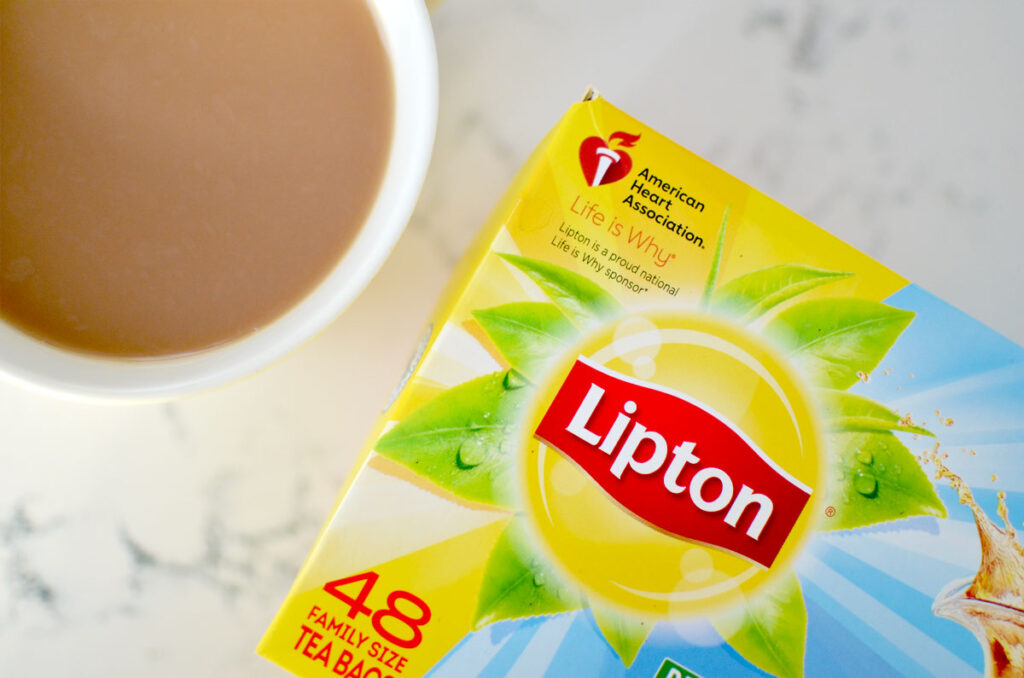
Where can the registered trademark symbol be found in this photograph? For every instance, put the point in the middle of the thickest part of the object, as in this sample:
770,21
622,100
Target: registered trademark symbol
830,511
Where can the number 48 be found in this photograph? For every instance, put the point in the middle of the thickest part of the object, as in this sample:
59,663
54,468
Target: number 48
357,606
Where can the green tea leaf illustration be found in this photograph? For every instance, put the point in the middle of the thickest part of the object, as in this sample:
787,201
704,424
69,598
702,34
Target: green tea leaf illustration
834,339
518,582
874,479
462,439
579,298
754,293
527,334
625,634
716,261
851,412
770,631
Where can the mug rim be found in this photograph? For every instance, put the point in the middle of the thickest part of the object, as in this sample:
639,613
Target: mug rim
408,39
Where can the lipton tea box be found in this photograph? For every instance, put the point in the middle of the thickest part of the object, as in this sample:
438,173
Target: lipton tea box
663,427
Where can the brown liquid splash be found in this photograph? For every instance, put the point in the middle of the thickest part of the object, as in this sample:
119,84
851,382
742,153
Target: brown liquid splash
991,604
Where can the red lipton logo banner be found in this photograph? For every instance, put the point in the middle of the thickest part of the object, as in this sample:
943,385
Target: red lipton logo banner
673,462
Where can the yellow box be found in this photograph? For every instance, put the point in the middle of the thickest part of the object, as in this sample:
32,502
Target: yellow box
660,427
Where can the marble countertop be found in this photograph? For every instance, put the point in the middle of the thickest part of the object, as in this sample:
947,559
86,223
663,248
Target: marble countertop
158,540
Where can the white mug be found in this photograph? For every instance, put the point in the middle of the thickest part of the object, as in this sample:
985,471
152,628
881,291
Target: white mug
406,31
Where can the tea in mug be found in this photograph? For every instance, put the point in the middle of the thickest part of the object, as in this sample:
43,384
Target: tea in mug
178,173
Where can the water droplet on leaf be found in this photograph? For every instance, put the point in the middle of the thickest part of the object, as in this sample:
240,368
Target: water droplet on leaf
865,484
513,380
865,457
471,454
539,579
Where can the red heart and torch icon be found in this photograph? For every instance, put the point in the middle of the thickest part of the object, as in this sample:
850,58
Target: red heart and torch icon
604,162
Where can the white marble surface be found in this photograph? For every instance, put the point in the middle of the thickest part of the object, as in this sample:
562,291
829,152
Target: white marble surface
158,540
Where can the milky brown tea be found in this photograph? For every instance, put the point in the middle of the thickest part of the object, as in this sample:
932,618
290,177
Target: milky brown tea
178,173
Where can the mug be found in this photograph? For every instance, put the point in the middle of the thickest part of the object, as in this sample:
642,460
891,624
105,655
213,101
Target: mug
406,32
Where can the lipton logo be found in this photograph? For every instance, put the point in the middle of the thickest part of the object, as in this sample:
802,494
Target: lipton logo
602,164
673,462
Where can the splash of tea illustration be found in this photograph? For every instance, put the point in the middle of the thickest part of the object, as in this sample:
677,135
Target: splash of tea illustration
991,604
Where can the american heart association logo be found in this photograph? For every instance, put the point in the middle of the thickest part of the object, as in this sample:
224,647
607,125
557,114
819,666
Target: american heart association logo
602,164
